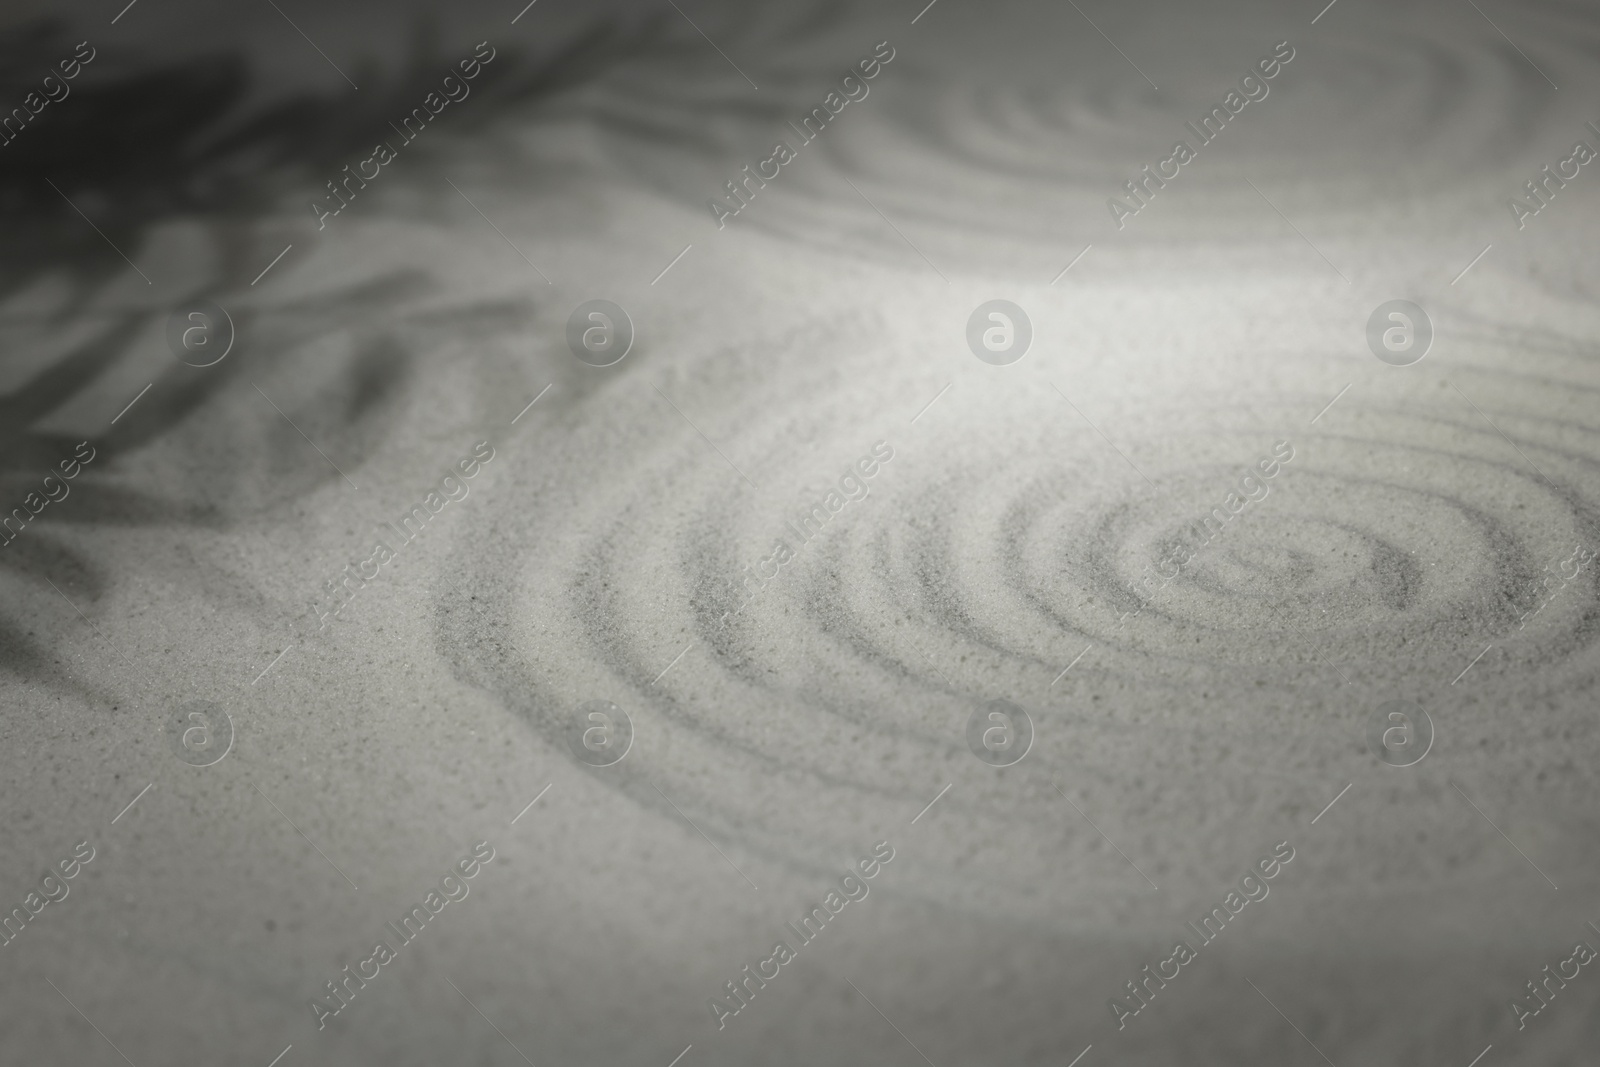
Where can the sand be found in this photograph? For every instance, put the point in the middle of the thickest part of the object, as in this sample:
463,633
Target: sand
1418,546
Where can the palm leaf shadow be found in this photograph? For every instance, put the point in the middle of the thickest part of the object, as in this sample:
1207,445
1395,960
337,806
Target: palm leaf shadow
136,146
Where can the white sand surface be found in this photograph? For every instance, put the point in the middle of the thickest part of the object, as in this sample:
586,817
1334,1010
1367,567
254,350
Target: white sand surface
1399,555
